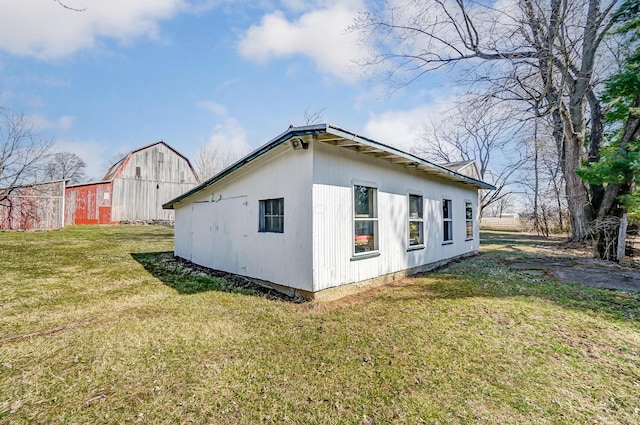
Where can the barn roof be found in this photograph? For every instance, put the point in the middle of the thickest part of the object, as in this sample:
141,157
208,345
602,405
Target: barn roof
329,133
116,168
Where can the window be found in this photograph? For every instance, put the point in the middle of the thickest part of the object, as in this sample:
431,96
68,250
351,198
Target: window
138,173
447,221
468,211
416,221
181,176
365,226
272,215
160,156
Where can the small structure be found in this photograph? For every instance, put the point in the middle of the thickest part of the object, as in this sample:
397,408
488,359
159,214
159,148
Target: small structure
133,189
467,168
320,210
38,206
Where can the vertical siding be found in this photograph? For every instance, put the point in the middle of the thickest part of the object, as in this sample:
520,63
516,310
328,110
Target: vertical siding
183,232
39,206
222,221
334,172
218,227
159,181
88,204
332,210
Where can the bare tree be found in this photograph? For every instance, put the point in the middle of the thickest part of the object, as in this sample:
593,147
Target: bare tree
22,151
66,165
22,154
113,160
544,182
211,159
544,53
482,133
314,117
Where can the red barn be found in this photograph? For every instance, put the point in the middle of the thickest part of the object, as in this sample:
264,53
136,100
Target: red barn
33,207
133,189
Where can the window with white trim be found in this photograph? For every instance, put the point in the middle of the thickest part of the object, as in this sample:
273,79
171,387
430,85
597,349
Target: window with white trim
272,215
468,213
416,221
365,219
447,221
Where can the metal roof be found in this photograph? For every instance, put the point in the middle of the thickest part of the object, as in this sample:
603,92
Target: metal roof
117,168
328,133
458,165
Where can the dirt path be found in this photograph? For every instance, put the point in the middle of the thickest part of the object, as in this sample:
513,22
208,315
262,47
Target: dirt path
556,258
581,271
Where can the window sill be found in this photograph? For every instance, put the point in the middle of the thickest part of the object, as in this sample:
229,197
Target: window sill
372,254
447,243
415,248
467,240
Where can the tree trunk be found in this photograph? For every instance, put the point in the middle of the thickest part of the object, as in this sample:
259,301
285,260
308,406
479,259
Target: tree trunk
577,199
536,185
574,120
595,143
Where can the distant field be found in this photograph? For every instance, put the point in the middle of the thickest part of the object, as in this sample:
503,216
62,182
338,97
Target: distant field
88,335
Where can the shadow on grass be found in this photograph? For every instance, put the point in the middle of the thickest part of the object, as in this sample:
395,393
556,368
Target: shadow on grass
172,273
189,278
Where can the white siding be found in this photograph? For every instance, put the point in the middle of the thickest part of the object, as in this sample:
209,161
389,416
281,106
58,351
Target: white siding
223,230
334,172
163,176
183,232
218,227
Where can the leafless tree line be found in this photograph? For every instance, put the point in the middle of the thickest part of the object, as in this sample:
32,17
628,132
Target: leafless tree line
548,59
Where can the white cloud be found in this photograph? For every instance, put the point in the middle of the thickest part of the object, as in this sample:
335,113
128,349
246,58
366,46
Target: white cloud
402,129
49,31
66,122
41,123
215,107
399,129
230,137
319,34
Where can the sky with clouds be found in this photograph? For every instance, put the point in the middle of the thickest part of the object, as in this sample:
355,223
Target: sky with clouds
122,74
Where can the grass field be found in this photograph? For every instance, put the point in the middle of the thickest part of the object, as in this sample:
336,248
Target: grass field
88,335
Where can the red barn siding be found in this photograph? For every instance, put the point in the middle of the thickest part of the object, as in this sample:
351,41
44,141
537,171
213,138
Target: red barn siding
89,204
133,189
39,206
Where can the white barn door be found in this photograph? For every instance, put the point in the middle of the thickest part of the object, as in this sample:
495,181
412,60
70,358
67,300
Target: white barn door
230,233
219,234
201,233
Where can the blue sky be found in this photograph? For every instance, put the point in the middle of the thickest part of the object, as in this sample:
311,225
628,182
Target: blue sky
123,74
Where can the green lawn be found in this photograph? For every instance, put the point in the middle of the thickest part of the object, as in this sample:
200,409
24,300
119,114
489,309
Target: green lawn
89,335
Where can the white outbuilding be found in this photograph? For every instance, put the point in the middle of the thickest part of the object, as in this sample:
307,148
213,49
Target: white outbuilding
321,211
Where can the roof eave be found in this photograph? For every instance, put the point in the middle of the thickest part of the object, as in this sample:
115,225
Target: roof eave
461,178
337,131
273,143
